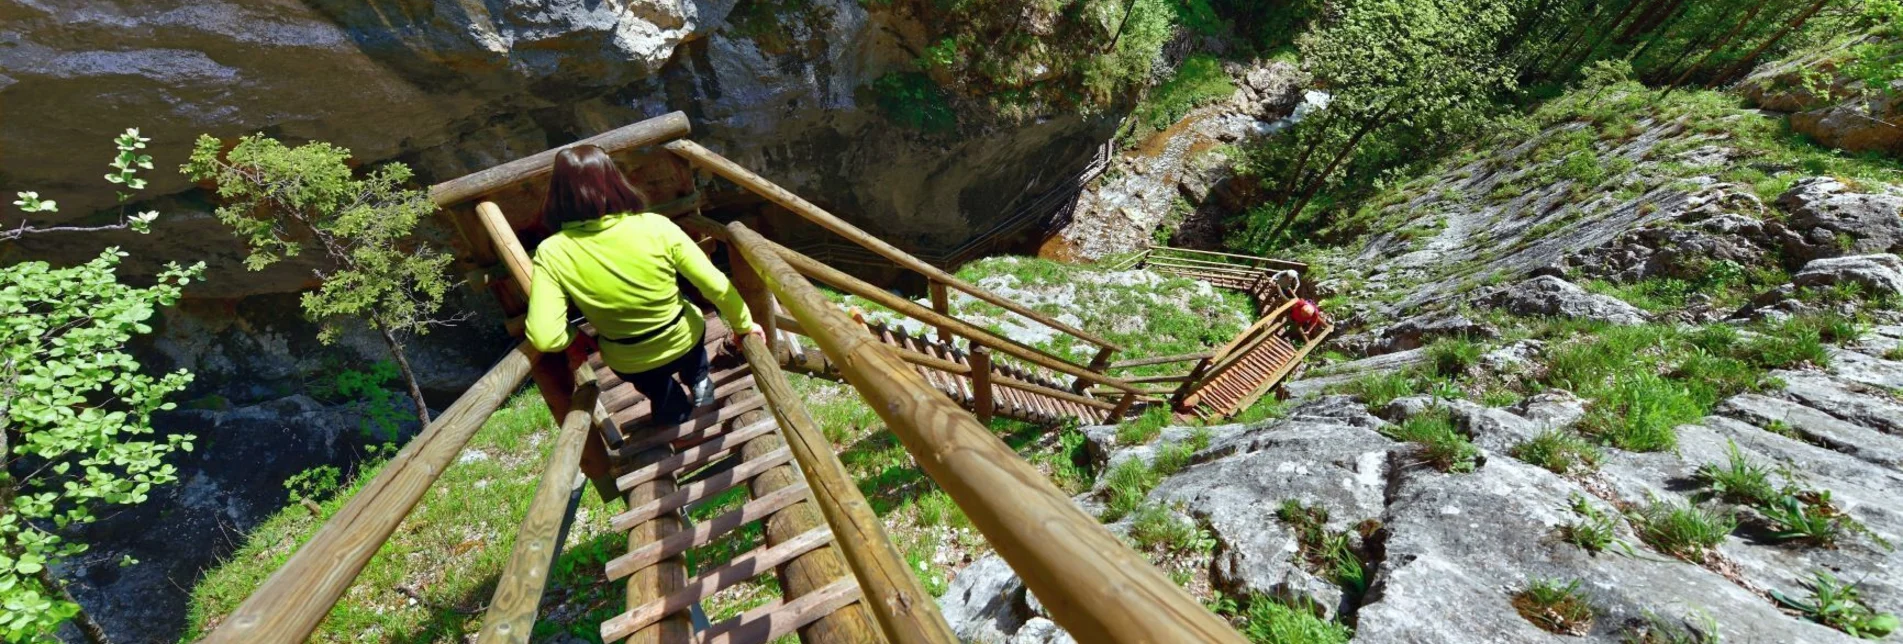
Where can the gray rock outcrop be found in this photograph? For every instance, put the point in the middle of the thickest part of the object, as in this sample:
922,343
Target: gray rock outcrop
1828,220
1551,296
1878,275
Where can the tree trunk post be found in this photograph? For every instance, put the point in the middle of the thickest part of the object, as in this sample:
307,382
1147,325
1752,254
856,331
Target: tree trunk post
409,376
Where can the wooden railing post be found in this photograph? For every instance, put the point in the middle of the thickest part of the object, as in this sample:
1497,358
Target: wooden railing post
1123,408
511,614
941,302
982,403
1191,381
903,609
759,300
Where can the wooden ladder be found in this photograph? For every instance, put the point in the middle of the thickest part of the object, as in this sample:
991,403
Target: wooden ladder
666,471
1251,365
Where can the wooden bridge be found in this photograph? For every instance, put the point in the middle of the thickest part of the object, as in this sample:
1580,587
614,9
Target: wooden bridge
842,579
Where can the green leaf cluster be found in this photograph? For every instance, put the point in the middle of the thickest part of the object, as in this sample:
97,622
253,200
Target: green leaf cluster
75,419
284,201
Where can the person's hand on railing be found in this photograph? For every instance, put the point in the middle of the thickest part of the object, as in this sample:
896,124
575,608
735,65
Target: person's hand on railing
579,350
740,339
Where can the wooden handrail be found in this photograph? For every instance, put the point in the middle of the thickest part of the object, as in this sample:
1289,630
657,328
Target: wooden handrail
290,604
1293,264
816,269
905,611
1093,584
1144,362
511,615
666,127
720,165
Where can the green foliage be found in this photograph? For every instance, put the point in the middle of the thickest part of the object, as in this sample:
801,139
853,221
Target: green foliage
282,201
1556,607
1126,485
1594,531
1451,357
1268,621
1156,528
79,411
1840,606
1559,451
1143,428
1682,530
314,484
1442,445
1379,389
381,409
1173,457
1199,81
915,101
1326,552
1738,480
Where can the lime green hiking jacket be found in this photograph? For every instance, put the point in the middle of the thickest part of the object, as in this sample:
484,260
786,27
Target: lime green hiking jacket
619,270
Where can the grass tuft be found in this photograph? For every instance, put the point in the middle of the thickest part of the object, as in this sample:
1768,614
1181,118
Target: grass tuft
1840,606
1560,451
1683,530
1441,444
1558,608
1268,621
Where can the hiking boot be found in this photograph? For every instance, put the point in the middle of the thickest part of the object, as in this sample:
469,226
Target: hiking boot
703,392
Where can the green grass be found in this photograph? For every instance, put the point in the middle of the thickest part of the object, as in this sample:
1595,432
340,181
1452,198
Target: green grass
1682,530
1441,443
448,551
1155,528
1560,452
1267,621
1126,486
1325,552
1452,357
1594,531
1738,480
1555,607
1143,428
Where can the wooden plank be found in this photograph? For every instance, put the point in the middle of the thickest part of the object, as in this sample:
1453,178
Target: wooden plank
291,602
1092,584
629,403
1276,378
511,614
1144,362
709,417
704,532
780,618
904,610
697,455
741,568
746,179
699,490
1283,262
672,125
941,302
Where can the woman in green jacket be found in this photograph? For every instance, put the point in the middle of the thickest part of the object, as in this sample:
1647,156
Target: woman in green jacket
618,264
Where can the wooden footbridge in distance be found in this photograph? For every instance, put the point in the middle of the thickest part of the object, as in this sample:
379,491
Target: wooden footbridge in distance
841,577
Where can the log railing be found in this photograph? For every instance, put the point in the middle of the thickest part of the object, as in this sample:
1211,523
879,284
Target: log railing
290,604
1093,584
731,171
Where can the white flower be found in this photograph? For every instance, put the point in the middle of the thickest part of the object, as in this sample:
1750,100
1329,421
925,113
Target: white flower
146,216
26,198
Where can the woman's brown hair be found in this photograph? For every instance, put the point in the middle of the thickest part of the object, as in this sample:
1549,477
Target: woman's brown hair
587,185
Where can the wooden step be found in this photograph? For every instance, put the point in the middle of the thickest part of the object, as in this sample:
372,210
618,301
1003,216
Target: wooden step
779,618
701,489
741,568
710,451
703,533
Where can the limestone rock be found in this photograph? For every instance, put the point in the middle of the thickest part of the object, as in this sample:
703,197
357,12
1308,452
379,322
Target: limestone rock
1856,125
1827,220
1879,275
1552,296
1421,330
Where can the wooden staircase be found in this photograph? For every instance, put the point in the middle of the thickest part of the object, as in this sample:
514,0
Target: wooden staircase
1252,364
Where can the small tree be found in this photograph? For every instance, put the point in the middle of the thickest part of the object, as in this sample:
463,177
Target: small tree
74,408
283,201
